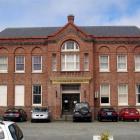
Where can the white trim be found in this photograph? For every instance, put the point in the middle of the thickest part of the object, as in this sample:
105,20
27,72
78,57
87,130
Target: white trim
136,70
123,104
65,62
40,94
122,70
19,71
105,104
23,99
36,71
5,71
6,96
104,70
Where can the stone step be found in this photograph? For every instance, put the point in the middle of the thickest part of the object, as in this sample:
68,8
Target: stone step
65,118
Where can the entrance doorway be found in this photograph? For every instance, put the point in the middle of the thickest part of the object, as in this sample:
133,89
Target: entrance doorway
68,102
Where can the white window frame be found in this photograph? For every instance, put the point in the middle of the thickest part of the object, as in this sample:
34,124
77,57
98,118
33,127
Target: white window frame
33,95
20,93
100,68
75,62
136,70
36,71
121,70
123,104
54,62
86,62
64,47
6,95
19,71
137,94
5,71
105,104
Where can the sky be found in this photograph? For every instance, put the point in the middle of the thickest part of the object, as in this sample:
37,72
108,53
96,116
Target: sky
44,13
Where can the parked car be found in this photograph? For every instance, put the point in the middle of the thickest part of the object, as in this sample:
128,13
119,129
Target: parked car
14,114
129,114
40,113
107,114
10,131
82,112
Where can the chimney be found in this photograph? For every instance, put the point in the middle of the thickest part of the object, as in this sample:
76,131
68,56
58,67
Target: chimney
71,18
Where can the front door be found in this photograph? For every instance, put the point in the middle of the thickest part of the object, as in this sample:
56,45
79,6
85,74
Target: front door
68,102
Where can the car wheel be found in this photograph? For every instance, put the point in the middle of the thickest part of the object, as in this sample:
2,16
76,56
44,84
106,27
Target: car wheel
32,121
21,119
138,120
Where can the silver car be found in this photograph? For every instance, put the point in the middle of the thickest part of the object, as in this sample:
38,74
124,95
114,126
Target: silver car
40,113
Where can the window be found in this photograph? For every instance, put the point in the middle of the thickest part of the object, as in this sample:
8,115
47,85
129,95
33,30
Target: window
121,63
123,94
3,64
70,46
3,95
15,131
137,62
19,65
105,94
138,94
36,63
104,63
19,95
86,62
54,62
37,91
70,57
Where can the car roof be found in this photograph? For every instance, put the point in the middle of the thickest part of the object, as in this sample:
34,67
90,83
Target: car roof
6,123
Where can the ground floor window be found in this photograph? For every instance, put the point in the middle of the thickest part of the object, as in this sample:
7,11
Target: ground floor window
37,91
3,95
19,95
138,94
123,94
104,94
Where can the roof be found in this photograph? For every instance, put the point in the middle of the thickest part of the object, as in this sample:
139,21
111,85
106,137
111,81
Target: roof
97,31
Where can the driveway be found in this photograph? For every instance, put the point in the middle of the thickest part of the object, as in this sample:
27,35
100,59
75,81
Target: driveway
80,130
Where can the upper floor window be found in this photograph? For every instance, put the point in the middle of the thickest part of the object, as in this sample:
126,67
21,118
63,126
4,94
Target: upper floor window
122,63
86,62
19,64
54,62
3,64
36,63
104,63
137,62
70,60
70,46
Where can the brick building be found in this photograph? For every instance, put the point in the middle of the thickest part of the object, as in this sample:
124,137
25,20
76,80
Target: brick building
59,66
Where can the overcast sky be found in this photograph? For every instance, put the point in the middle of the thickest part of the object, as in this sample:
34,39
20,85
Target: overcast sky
38,13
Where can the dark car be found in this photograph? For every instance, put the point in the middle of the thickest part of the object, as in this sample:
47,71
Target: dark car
129,114
14,114
107,114
40,114
82,112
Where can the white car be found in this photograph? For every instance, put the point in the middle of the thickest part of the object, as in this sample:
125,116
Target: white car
10,131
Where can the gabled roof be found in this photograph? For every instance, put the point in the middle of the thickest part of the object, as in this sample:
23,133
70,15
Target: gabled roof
97,31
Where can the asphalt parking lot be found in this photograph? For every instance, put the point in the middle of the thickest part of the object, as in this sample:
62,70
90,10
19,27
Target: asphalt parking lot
79,130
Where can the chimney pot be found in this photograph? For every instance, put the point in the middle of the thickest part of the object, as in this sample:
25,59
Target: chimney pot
71,18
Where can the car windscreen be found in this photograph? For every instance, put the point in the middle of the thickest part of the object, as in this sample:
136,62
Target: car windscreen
81,105
107,109
15,131
40,110
12,111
